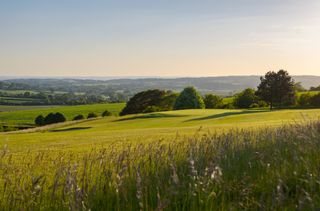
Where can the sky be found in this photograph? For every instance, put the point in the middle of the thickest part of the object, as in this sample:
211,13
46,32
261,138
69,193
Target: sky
163,38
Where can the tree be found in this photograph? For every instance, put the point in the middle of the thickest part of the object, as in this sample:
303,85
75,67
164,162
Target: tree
49,119
276,88
245,99
52,118
92,115
106,113
189,98
78,117
212,101
305,99
39,120
59,117
140,101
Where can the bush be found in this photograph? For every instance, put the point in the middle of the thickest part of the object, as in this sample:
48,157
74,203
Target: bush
106,113
52,118
245,98
39,120
212,101
78,117
189,98
92,115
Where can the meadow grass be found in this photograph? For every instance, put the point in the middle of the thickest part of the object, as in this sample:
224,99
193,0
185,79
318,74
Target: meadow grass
267,169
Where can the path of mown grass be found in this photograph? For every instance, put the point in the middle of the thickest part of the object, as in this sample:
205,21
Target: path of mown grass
144,128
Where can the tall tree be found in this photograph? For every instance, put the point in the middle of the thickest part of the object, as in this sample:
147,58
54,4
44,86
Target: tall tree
189,98
276,88
245,98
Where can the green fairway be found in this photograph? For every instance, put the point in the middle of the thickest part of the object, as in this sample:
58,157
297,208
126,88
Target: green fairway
149,127
21,117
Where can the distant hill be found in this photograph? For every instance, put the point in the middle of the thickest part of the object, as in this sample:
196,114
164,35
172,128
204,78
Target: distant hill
225,85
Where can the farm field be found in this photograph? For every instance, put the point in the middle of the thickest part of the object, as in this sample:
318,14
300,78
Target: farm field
25,115
148,127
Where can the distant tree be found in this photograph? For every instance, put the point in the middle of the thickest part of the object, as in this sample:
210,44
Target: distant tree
276,88
315,88
49,119
315,100
78,117
212,101
189,98
140,101
39,120
106,113
299,88
59,117
92,115
245,99
168,101
52,118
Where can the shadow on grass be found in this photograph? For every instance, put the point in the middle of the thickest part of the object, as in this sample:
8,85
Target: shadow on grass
70,129
150,116
226,114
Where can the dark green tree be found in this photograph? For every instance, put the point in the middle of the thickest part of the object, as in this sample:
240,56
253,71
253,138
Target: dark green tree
315,100
39,120
59,117
212,101
276,88
49,119
189,98
245,99
140,101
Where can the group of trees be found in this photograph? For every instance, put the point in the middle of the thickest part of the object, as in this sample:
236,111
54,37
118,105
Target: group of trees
276,89
51,118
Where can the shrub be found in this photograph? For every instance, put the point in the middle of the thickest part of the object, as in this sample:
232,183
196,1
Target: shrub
262,104
92,115
106,113
39,120
189,98
212,101
52,118
78,117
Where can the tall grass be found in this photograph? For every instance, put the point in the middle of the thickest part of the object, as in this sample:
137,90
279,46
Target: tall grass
240,169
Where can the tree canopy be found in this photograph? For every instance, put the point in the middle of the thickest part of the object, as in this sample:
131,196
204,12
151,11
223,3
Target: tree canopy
212,101
189,98
276,88
245,99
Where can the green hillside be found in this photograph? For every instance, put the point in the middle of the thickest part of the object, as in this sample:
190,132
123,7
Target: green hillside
147,127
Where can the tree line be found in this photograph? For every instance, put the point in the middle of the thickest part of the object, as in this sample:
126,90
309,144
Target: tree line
276,90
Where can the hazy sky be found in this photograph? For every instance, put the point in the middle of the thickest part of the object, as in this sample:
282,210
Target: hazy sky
158,37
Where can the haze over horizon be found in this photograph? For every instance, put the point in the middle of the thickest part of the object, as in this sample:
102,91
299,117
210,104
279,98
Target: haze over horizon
169,38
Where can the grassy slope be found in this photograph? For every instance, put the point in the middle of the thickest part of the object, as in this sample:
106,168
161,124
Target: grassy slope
150,127
28,116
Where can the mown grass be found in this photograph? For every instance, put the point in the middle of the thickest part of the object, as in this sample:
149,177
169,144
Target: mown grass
267,169
28,116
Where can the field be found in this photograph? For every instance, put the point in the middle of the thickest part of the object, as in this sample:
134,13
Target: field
25,115
176,160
